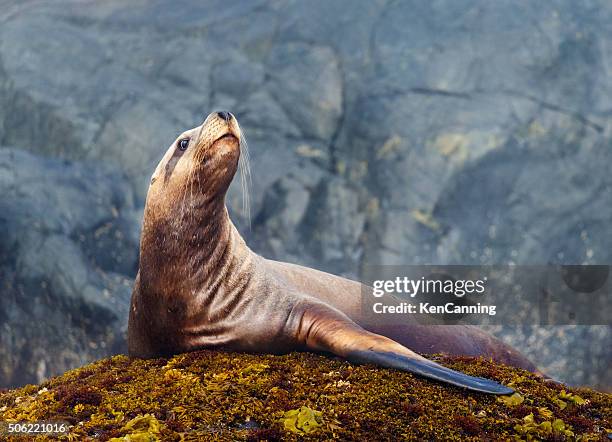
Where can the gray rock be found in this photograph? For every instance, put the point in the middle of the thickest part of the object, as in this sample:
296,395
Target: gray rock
318,70
69,236
380,133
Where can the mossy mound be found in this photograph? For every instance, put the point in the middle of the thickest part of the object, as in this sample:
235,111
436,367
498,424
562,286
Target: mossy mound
210,395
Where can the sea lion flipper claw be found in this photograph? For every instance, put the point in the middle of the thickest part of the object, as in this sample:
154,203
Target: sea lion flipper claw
323,328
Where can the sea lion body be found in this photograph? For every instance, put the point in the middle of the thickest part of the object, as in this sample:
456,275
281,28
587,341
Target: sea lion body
200,286
347,296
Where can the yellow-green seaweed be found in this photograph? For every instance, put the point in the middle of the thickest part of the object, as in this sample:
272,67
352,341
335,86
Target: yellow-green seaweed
209,395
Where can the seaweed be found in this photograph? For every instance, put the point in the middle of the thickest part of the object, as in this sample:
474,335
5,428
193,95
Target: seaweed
210,395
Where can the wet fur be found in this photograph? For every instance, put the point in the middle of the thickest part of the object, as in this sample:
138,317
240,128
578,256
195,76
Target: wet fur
200,286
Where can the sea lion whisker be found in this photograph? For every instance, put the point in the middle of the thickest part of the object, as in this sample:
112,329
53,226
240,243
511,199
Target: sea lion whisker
245,177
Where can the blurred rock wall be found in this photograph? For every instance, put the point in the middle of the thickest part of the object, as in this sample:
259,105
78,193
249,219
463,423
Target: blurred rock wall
381,132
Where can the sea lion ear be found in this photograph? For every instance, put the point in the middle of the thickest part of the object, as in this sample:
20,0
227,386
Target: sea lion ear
323,328
162,162
156,172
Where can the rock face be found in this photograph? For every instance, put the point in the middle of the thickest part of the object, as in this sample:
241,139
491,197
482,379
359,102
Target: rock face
67,255
380,133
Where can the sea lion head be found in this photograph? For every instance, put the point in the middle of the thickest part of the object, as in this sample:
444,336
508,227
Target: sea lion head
198,166
185,206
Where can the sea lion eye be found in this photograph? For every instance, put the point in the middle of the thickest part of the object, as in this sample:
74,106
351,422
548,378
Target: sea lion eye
182,144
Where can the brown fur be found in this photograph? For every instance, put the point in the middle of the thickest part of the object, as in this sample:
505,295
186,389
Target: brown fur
200,286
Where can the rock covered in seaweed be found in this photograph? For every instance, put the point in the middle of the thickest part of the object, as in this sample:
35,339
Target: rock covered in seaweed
210,395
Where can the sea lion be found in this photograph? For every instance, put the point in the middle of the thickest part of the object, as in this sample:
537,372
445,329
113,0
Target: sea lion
200,286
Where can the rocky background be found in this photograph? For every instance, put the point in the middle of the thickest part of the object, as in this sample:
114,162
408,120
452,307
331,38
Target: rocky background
381,132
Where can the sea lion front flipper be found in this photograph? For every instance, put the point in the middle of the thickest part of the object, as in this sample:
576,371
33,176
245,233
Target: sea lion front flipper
323,328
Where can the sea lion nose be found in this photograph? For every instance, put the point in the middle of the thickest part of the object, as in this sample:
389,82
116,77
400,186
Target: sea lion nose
225,115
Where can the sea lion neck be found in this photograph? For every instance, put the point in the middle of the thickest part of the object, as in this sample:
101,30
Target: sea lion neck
191,249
